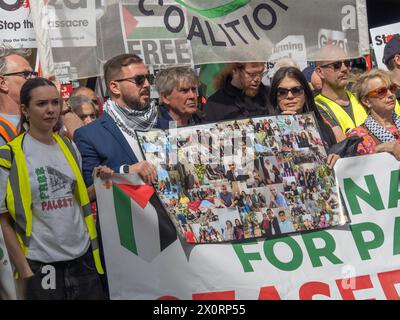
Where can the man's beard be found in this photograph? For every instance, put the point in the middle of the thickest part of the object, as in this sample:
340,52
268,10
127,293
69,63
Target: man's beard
139,106
136,104
251,92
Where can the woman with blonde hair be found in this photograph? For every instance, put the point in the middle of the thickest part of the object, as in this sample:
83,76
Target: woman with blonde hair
381,130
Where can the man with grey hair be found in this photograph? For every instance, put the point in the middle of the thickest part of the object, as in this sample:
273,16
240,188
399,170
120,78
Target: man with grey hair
177,87
84,108
14,71
89,93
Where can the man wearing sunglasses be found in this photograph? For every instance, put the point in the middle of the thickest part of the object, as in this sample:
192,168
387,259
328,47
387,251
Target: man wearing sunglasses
240,93
111,139
338,107
14,71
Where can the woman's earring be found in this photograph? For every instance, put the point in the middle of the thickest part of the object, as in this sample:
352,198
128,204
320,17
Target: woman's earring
27,117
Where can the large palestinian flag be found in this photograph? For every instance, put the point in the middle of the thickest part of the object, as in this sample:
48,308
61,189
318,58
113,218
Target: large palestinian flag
143,224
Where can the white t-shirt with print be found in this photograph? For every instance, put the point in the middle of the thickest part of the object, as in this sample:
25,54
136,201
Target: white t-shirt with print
58,229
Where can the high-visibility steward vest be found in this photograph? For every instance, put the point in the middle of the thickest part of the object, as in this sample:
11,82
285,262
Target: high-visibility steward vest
397,107
336,112
7,130
19,197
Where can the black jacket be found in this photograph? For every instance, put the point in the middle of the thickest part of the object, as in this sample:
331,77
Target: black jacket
274,223
231,103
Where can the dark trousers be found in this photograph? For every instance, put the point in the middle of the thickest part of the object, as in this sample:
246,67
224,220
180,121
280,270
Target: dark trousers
67,280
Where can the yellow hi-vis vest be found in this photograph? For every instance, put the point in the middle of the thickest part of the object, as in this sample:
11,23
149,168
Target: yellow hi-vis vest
397,108
19,197
336,112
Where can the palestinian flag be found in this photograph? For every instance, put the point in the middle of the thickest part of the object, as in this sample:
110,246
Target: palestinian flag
143,224
139,26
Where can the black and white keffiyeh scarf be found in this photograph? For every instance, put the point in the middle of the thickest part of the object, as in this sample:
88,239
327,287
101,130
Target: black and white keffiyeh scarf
380,132
130,120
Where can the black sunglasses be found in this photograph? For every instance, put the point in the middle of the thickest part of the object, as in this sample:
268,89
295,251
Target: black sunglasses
295,91
139,79
24,74
337,64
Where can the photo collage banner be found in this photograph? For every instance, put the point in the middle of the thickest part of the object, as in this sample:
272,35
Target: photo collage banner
243,179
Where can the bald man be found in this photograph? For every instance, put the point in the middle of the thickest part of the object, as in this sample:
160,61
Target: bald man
339,107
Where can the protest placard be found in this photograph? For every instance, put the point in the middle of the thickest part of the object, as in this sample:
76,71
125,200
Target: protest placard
71,24
380,36
244,179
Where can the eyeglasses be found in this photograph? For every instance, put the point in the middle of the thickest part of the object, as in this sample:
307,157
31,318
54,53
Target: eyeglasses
90,115
255,74
337,65
23,74
138,79
295,91
382,91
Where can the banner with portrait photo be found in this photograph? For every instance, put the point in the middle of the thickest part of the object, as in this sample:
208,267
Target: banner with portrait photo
244,179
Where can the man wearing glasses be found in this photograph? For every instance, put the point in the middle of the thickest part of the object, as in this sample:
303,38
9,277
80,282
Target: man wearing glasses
89,93
339,107
240,93
111,139
14,71
84,108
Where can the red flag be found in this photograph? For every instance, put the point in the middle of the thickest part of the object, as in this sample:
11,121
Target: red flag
141,194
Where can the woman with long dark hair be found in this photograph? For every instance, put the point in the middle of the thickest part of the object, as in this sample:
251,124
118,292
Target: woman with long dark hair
290,94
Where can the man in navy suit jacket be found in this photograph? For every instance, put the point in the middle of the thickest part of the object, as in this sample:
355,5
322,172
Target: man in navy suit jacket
111,140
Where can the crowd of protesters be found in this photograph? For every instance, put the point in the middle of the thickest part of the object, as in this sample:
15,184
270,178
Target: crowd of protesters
51,148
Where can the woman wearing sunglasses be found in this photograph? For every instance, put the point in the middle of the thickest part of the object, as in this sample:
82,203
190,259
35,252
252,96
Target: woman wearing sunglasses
381,130
291,94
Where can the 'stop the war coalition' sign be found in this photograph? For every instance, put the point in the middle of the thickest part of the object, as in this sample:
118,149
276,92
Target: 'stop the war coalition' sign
71,23
188,32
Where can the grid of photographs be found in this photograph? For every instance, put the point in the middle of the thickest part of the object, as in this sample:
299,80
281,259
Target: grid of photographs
243,179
